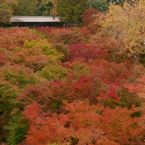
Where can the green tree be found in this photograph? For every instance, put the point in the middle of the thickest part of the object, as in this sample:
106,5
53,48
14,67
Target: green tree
100,5
5,14
17,128
10,3
44,8
6,9
70,10
26,7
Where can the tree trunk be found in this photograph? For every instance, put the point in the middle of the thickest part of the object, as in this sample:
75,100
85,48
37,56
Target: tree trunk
135,60
113,56
90,3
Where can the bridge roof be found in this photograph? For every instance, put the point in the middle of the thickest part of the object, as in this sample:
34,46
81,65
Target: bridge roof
34,19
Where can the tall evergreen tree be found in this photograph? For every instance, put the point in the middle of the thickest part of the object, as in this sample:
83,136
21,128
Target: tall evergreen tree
44,7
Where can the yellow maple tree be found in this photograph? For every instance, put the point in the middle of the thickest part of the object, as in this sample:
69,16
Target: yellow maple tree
126,26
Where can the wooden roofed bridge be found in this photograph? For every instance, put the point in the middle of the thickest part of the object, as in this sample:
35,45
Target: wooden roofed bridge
35,21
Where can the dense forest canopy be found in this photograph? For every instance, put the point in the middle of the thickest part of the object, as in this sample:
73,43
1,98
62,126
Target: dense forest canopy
76,85
70,10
